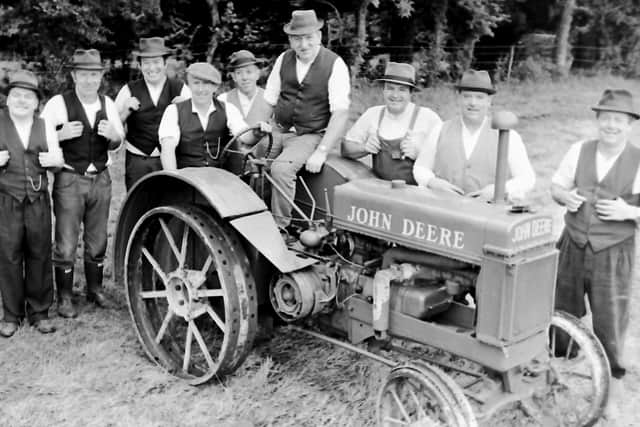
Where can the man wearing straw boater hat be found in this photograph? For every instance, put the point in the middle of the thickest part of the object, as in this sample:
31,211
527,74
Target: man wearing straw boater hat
598,181
28,146
392,133
141,104
309,90
88,127
464,158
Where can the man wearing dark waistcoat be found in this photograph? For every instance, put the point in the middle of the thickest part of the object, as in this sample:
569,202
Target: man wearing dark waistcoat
309,88
141,104
462,158
88,127
599,183
192,133
28,145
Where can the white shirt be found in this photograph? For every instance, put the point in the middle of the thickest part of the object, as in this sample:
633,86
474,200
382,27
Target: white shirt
245,101
169,130
392,126
55,112
566,173
339,85
523,177
154,92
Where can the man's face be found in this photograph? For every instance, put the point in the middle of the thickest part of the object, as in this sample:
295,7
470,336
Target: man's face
246,78
614,128
21,102
153,69
87,81
305,45
201,90
474,105
396,97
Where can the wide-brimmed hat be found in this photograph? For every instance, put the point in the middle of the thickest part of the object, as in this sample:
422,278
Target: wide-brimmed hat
151,47
618,101
303,22
242,58
204,71
86,59
477,81
399,73
24,79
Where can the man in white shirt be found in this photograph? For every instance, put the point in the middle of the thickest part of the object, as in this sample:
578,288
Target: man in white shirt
599,183
141,104
309,89
28,146
395,132
463,157
88,126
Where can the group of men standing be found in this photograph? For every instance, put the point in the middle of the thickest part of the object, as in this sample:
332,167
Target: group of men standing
305,104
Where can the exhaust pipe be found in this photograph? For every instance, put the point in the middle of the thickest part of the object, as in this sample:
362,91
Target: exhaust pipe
503,121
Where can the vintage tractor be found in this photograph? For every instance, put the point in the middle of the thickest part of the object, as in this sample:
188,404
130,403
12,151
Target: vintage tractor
382,268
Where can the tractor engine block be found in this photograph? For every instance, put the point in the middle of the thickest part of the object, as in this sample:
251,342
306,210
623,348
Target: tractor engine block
301,294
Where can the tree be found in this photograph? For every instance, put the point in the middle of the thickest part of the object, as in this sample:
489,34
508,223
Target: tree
562,37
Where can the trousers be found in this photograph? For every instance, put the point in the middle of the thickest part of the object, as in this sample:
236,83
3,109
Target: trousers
137,166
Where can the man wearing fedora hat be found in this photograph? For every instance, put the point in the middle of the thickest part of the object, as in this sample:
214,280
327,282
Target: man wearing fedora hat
463,158
309,89
141,104
598,181
392,133
28,146
88,127
193,132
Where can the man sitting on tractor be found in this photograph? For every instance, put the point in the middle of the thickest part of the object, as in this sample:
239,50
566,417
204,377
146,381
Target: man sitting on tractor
194,132
393,133
599,183
463,158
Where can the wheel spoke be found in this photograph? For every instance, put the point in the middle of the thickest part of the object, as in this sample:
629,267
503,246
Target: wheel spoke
569,348
421,413
202,344
172,243
155,265
183,249
153,294
207,265
395,421
400,406
187,348
163,327
553,341
216,319
208,293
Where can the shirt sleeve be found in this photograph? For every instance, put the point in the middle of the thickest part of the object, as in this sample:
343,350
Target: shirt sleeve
523,177
566,173
365,124
185,92
123,95
52,137
235,121
114,117
169,130
55,111
272,89
423,166
339,86
222,97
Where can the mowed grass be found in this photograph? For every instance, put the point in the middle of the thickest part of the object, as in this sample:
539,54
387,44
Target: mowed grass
93,371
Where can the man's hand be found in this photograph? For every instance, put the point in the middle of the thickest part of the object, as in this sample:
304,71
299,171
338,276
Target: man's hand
178,98
49,159
317,159
132,104
70,130
409,145
485,193
615,210
108,130
440,184
4,158
372,144
571,199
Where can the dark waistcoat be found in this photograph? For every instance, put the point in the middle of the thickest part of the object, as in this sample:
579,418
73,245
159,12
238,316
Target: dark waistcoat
259,110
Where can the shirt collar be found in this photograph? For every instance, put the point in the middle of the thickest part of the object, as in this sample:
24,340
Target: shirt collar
212,108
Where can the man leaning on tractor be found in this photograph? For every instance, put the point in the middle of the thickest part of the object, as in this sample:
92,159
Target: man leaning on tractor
599,183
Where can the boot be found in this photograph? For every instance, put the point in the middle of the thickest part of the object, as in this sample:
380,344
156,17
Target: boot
93,274
64,284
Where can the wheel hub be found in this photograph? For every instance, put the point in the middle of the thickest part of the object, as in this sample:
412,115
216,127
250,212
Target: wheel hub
182,286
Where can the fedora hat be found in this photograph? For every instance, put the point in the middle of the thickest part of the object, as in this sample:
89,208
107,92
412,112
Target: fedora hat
151,47
399,73
24,79
86,59
303,22
242,58
476,80
617,100
204,71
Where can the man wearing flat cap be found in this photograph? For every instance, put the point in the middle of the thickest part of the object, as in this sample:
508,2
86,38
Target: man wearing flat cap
309,89
395,132
598,181
28,146
141,104
463,158
88,127
193,132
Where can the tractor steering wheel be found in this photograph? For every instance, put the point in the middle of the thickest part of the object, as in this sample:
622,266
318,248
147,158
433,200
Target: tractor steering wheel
227,148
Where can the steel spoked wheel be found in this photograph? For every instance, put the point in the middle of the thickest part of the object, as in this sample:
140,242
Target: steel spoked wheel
579,375
190,292
418,394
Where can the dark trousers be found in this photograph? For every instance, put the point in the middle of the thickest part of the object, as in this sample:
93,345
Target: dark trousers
77,200
137,166
25,257
605,277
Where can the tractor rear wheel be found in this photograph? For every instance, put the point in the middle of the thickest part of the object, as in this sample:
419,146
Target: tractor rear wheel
188,279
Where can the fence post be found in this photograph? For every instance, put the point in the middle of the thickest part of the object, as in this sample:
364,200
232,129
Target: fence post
511,55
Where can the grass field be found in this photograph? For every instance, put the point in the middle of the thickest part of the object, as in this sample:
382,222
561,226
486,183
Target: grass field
93,371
